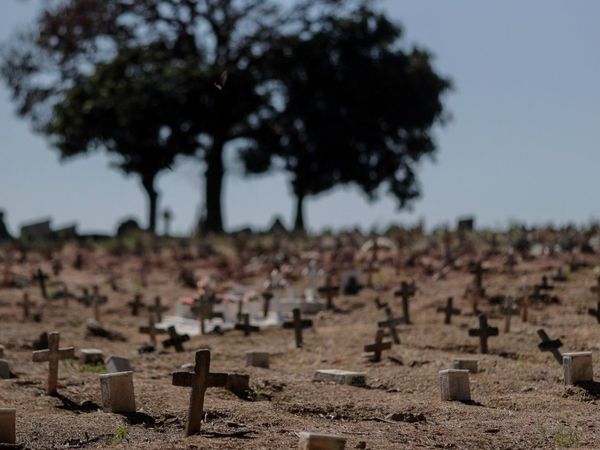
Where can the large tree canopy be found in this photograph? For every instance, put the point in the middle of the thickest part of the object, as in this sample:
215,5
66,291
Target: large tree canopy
355,107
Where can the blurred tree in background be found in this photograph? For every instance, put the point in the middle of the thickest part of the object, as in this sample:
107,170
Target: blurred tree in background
322,90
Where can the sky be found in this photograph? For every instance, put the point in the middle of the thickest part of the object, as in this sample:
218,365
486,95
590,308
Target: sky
522,144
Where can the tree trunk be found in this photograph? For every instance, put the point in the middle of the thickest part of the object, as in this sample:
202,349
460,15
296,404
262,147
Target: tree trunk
148,184
215,171
299,221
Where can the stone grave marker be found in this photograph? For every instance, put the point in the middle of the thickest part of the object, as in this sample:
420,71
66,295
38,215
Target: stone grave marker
116,364
448,311
90,356
320,441
199,380
548,345
391,324
298,324
5,373
53,355
454,385
406,291
470,364
578,367
378,346
257,359
341,377
117,392
175,340
483,332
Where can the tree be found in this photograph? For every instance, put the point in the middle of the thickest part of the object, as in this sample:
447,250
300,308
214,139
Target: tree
131,107
75,37
355,108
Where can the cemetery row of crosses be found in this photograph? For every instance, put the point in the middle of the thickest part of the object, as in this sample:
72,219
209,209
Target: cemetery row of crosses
326,342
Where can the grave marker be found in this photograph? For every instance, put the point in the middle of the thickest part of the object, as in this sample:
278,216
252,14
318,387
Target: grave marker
391,324
41,278
483,332
7,425
298,324
341,377
578,367
449,311
595,312
329,291
454,385
158,309
25,304
199,380
406,291
378,347
267,296
117,392
508,310
175,340
320,441
151,330
53,355
257,359
245,326
203,309
548,345
136,304
97,300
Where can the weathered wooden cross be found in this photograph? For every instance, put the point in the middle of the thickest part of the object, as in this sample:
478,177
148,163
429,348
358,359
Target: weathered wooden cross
298,324
136,304
484,332
391,324
203,309
158,309
508,310
595,312
245,326
329,291
406,291
97,300
199,380
25,304
378,347
548,345
53,355
175,340
380,304
544,285
448,310
151,330
41,278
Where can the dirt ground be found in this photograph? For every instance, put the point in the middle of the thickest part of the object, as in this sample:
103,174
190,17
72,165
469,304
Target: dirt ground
520,400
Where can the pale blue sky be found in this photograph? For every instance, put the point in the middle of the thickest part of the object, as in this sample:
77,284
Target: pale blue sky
522,144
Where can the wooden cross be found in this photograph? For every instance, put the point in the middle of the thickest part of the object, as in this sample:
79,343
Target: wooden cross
25,304
151,329
391,323
544,286
448,310
548,345
97,300
158,309
329,291
525,309
484,332
245,326
199,380
298,324
203,309
370,270
511,262
595,312
53,355
378,347
406,291
508,310
136,304
175,340
267,296
41,278
477,270
559,276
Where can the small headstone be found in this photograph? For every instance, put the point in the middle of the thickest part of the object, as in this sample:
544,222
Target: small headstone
341,377
116,364
117,392
257,359
4,369
465,364
238,383
454,385
318,441
91,356
7,425
578,367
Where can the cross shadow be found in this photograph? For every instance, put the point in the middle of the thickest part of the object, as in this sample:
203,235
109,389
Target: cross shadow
138,417
68,404
591,387
470,402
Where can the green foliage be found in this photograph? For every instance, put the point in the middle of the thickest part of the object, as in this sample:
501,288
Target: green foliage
120,434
